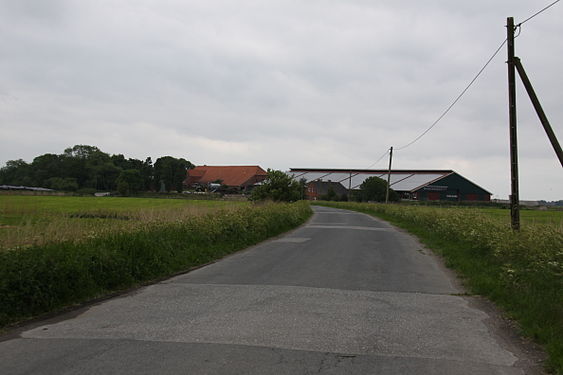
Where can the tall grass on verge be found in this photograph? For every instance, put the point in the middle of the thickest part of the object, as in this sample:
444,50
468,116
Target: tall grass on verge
28,221
42,278
521,271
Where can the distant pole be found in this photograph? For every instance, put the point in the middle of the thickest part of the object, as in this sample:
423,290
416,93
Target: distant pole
389,175
514,197
350,187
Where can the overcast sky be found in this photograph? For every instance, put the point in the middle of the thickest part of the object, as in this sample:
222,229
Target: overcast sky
282,84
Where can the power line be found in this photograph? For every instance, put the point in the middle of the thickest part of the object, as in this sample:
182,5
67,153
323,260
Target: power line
466,88
372,164
538,13
378,160
456,99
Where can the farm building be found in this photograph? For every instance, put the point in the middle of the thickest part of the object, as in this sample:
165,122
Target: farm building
318,189
239,177
30,188
423,185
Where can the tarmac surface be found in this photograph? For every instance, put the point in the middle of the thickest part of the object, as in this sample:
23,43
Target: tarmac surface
343,294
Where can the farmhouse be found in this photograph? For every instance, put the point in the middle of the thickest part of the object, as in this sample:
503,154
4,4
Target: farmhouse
422,185
238,177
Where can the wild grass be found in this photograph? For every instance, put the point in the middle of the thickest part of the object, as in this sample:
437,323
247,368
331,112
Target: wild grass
47,276
520,271
35,220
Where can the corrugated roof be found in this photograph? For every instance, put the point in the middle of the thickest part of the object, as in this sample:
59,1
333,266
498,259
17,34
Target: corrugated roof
401,180
232,175
32,188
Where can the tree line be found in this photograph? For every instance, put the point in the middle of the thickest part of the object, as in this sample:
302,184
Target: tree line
87,168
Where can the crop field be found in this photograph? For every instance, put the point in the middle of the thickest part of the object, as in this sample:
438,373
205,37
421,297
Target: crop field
36,220
527,216
522,272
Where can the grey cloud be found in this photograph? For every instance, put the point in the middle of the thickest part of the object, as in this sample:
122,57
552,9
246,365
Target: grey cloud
279,83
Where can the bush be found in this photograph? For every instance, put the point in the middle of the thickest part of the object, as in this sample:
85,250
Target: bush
375,189
278,187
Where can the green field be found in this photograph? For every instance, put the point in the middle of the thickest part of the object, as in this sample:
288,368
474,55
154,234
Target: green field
35,220
530,216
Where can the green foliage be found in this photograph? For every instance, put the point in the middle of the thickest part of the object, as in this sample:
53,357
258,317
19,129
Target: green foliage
85,152
172,172
330,195
62,184
129,181
521,271
374,189
87,167
123,188
278,187
16,172
39,279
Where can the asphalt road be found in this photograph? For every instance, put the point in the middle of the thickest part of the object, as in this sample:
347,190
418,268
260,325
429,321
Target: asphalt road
344,294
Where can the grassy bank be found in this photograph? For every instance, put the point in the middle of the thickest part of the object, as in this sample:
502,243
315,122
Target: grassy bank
36,279
520,271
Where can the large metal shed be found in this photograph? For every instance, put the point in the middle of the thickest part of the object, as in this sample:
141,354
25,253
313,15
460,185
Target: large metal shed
420,185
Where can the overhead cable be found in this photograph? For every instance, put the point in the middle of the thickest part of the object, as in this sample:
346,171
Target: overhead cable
378,160
456,99
539,12
371,165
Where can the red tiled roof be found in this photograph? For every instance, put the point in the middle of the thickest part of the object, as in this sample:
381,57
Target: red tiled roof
229,175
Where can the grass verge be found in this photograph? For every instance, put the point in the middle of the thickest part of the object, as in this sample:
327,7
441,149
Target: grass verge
44,278
522,272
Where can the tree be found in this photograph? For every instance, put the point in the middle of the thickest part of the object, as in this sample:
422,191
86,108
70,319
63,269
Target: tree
374,189
129,181
16,172
278,187
171,171
45,167
104,176
83,152
87,167
62,184
147,173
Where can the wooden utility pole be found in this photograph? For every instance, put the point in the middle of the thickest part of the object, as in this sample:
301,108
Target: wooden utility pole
514,197
389,175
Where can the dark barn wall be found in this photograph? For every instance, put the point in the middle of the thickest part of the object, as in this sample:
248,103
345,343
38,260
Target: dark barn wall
453,188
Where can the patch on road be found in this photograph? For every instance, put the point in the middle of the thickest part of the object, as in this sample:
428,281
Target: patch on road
293,239
347,227
336,213
312,319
